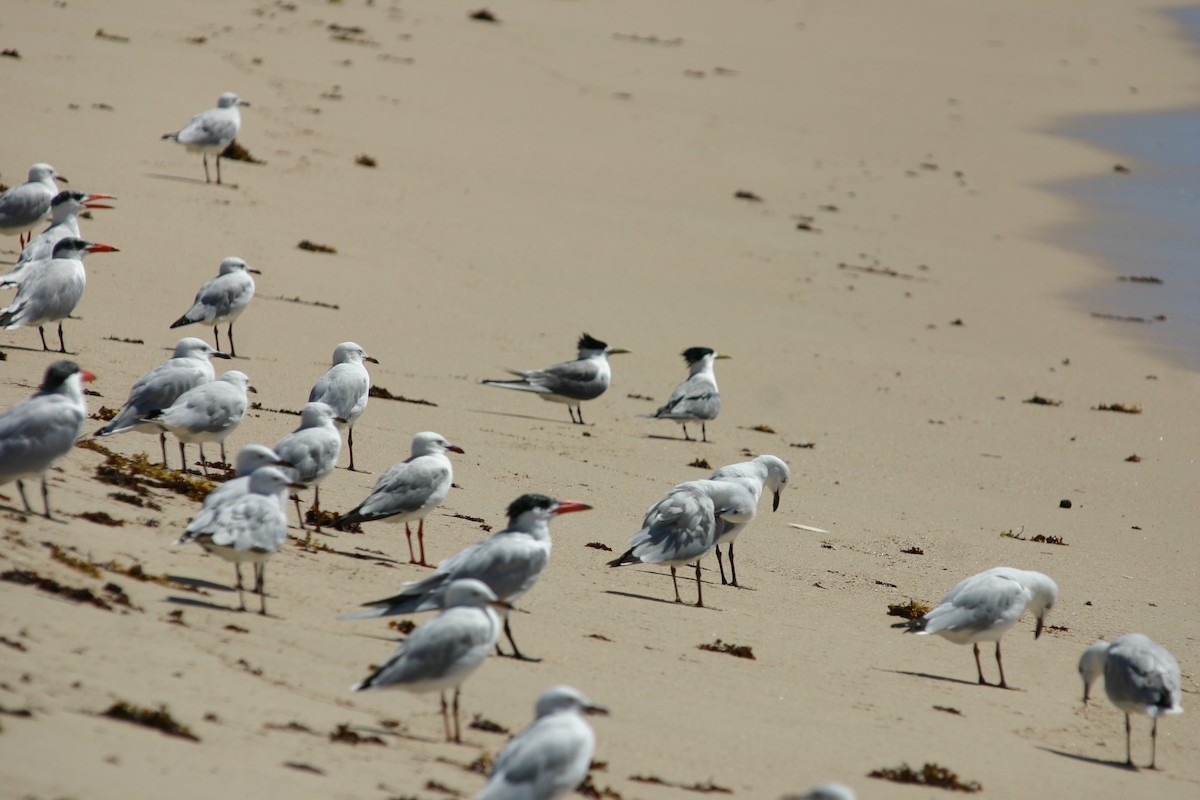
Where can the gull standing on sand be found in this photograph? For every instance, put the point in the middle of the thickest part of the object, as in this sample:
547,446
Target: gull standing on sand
52,289
312,451
222,299
552,756
188,368
983,607
509,561
207,413
346,386
571,382
697,398
442,653
23,207
769,472
250,459
43,428
409,490
212,131
683,527
247,527
64,221
1140,677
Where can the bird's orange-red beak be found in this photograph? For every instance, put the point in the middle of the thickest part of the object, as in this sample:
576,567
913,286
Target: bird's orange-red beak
88,376
569,506
89,201
102,248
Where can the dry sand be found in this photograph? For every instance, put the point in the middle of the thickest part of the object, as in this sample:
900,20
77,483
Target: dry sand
573,168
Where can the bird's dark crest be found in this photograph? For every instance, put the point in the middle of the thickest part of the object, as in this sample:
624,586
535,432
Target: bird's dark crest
65,195
57,373
70,244
694,354
587,342
527,502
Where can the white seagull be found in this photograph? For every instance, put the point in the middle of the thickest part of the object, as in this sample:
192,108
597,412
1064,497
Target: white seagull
442,653
697,398
683,526
52,289
570,382
312,452
212,131
983,607
64,221
409,490
23,207
43,428
207,413
219,501
188,368
345,386
509,561
764,472
552,756
249,527
1140,677
222,299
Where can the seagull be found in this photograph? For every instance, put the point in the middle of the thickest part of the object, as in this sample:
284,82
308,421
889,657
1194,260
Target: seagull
345,386
683,526
312,451
409,490
212,131
23,207
64,222
223,299
52,289
509,561
697,398
983,607
1140,677
43,428
825,791
570,382
442,653
552,756
217,503
248,527
188,368
769,472
207,413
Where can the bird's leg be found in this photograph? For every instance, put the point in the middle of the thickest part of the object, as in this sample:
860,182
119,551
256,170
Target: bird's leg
317,505
676,585
1153,742
62,346
703,432
457,729
46,497
721,566
42,333
421,541
21,489
182,458
162,442
1000,664
299,513
977,666
732,566
685,436
571,411
350,444
579,409
237,567
260,581
203,461
517,654
699,594
412,559
206,178
224,460
229,334
217,336
1128,755
218,168
445,718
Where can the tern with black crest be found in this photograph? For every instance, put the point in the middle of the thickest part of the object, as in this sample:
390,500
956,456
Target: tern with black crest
697,398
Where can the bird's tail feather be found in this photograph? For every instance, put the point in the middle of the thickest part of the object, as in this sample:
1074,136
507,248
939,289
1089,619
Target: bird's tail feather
626,558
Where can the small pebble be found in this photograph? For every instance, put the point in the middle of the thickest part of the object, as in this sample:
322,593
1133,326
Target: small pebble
1064,503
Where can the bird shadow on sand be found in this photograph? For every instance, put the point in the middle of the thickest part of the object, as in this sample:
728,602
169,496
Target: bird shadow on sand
36,349
535,419
1100,762
648,598
661,438
180,179
930,677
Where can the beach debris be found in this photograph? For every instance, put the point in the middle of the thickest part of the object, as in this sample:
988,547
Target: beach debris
314,247
4,640
746,194
651,39
599,636
317,303
929,775
1120,318
1121,169
137,473
913,609
589,789
256,406
10,52
700,463
948,710
124,340
343,734
158,718
599,546
483,15
236,628
1038,400
806,224
886,272
913,551
762,428
384,394
809,528
112,37
694,73
26,577
93,568
333,94
350,34
197,39
176,617
1134,459
1043,539
293,726
404,626
640,397
434,786
101,518
739,650
302,767
235,152
885,583
1140,279
704,788
1120,408
1064,504
364,160
486,725
804,445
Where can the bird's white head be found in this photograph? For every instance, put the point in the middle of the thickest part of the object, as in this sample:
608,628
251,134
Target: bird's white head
778,475
191,347
351,353
41,172
239,379
235,264
1091,665
254,457
316,414
565,698
471,592
1044,593
230,100
270,481
429,443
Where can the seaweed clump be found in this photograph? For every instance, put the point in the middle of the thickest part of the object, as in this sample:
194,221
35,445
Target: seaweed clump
929,775
158,718
739,650
913,609
137,473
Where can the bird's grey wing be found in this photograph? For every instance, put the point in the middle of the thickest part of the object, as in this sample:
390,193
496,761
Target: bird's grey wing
695,398
312,452
155,391
252,522
344,388
551,757
576,379
680,527
406,487
20,205
1142,672
225,293
457,639
208,128
508,563
978,603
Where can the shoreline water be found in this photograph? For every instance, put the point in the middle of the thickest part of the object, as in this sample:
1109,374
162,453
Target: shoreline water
1139,221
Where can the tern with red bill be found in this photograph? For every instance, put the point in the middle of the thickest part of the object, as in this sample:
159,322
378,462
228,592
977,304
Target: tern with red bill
222,299
509,561
64,221
23,207
43,428
212,131
51,292
410,490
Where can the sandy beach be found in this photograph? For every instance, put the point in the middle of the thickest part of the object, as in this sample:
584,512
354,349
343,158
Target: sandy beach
887,289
